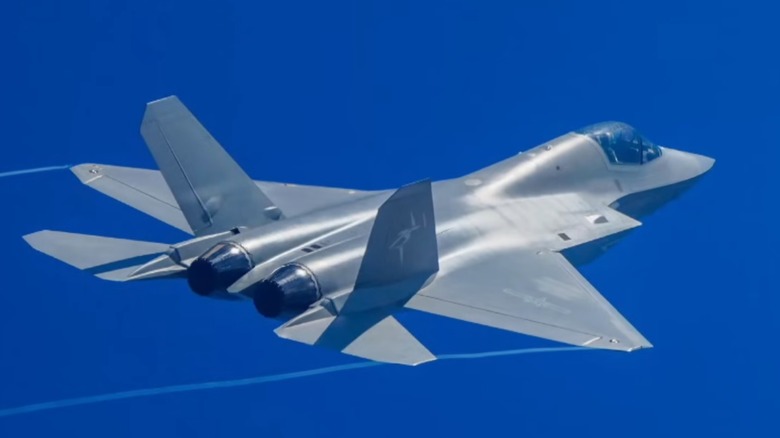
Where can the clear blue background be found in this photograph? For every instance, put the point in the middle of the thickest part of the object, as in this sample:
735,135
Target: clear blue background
374,95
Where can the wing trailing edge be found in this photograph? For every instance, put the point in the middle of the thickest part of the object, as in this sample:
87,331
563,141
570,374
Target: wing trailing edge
537,294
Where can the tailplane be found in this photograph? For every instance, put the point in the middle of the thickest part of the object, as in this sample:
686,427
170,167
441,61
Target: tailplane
105,257
375,335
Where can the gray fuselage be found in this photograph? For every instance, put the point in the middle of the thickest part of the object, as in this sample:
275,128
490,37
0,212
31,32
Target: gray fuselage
536,194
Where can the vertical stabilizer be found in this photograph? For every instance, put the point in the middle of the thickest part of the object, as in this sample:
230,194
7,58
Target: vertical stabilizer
402,243
212,191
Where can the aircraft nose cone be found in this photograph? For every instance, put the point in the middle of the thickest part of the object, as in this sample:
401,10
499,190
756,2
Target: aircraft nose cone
684,166
202,277
703,164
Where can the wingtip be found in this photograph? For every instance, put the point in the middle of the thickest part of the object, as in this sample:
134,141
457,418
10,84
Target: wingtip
645,346
172,97
425,360
618,344
31,237
87,172
419,359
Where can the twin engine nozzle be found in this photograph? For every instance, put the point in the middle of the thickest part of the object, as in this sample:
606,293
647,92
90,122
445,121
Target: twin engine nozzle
291,288
218,268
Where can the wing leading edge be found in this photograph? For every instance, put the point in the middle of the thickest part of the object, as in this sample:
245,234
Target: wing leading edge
538,294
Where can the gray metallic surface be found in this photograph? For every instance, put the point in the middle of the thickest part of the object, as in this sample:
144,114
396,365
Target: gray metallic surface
147,191
496,247
105,257
211,190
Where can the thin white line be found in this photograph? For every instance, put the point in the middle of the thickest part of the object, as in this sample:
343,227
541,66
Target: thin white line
33,170
149,392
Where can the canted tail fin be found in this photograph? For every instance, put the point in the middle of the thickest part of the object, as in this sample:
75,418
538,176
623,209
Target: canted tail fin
212,191
402,243
401,254
402,251
106,257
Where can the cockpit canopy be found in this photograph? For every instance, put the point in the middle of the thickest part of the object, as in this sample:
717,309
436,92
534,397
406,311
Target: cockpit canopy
622,143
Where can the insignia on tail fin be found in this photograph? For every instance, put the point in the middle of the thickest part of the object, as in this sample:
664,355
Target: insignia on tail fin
402,243
401,254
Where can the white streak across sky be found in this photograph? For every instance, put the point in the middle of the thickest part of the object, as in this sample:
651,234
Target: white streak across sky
33,170
149,392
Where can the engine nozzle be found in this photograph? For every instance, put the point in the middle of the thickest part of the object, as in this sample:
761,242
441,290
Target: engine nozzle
291,288
218,268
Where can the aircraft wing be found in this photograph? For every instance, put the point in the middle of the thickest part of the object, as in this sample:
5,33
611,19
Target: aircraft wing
142,189
147,191
538,294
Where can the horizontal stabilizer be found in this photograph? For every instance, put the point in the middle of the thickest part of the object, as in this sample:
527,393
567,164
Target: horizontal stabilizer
106,257
373,336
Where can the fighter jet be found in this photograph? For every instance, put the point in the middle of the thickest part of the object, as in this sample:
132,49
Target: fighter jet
497,247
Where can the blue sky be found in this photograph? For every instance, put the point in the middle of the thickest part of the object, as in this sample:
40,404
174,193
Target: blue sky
374,95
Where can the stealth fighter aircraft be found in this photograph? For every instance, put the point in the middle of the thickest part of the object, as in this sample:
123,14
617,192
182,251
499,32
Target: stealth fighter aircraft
496,247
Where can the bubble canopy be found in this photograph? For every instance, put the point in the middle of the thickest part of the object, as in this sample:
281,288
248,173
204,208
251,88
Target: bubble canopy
622,143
